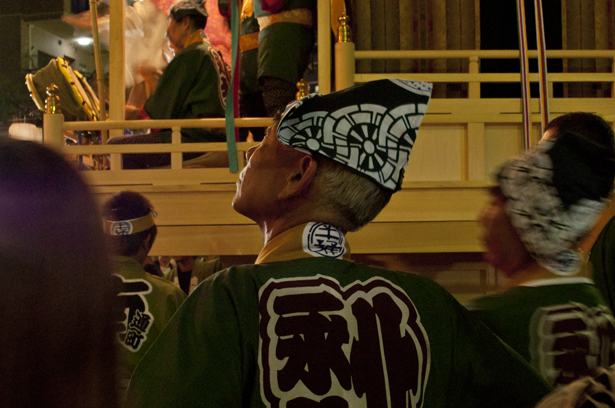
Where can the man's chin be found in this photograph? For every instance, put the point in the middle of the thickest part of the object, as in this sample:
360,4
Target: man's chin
238,204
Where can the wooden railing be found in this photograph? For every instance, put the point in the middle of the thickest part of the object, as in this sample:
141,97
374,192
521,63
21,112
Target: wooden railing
460,143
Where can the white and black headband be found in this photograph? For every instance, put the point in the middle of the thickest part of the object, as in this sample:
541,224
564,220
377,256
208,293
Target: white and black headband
371,127
554,195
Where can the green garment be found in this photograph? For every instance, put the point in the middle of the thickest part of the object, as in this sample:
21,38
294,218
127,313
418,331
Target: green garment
602,260
249,60
294,332
284,51
193,85
564,330
149,303
201,270
284,48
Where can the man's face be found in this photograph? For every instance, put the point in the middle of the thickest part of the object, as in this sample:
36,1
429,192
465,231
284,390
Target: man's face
503,247
176,33
268,167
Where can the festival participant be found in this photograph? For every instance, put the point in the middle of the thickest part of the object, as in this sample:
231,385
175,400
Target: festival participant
602,261
189,271
543,204
277,40
57,301
193,85
149,301
306,327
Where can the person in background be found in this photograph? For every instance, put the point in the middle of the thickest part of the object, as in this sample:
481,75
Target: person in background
194,85
149,301
544,203
189,271
57,300
277,38
152,267
306,327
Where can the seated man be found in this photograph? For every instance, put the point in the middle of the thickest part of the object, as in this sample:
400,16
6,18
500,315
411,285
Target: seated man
305,327
545,202
149,301
194,85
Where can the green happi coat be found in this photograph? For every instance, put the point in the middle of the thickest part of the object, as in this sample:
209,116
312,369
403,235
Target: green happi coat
149,302
194,85
314,329
562,326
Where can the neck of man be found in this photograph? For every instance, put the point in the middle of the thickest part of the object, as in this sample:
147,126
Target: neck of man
528,272
191,37
299,214
533,271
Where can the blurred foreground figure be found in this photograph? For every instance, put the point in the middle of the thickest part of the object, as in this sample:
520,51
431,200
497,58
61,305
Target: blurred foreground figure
305,327
602,261
56,300
545,202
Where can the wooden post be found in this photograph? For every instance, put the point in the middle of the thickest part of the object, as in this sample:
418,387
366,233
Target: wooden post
116,72
176,139
324,46
344,56
117,88
474,87
102,114
53,119
473,145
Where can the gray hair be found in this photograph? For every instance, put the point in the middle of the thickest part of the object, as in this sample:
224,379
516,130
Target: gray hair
352,200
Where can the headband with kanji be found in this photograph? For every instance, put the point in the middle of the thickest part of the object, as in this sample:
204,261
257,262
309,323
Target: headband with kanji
129,227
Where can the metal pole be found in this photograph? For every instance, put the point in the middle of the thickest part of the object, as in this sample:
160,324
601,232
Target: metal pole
542,65
525,81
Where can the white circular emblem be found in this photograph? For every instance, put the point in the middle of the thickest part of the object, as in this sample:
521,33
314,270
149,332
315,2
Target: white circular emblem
121,228
323,240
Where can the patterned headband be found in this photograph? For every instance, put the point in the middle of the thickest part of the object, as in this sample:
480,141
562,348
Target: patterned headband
554,195
183,8
129,227
370,127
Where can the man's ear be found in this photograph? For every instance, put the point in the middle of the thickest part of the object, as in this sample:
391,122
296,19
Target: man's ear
300,179
185,21
148,243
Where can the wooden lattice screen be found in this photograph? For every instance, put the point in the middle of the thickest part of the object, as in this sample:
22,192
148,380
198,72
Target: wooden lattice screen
588,25
417,25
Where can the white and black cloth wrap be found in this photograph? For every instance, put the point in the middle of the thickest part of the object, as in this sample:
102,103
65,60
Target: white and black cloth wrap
554,195
370,127
184,8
